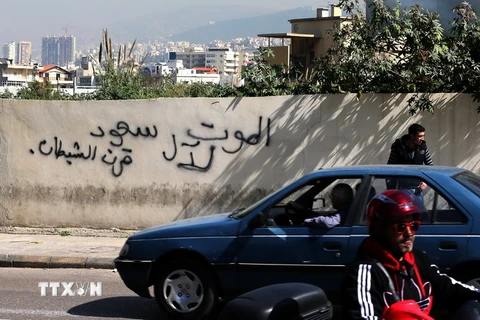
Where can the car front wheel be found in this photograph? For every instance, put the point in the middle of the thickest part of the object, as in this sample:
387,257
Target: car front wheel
185,290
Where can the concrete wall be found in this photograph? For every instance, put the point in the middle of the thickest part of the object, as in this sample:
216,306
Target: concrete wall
134,164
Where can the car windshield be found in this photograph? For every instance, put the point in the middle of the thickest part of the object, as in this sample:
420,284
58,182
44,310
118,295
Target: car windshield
238,214
297,194
469,180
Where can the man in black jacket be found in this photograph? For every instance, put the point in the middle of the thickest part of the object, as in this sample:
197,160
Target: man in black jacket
388,275
411,148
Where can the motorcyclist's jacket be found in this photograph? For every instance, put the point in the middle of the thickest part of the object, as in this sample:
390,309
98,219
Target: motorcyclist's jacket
366,290
400,153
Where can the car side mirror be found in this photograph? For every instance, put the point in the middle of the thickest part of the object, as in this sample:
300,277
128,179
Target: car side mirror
318,203
258,221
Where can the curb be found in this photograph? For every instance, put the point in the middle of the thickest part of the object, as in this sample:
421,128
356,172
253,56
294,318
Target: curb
25,261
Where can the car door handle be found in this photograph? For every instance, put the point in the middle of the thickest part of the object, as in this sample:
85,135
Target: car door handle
332,245
448,245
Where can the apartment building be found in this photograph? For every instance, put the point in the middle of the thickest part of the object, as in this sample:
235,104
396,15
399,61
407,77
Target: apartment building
57,76
225,60
190,76
309,38
9,51
16,75
24,53
163,69
66,50
192,57
49,50
58,50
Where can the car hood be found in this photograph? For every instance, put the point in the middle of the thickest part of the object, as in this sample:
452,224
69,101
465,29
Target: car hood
212,225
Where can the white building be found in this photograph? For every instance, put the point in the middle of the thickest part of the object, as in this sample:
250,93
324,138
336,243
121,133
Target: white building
163,69
190,76
192,57
14,76
24,53
9,51
225,60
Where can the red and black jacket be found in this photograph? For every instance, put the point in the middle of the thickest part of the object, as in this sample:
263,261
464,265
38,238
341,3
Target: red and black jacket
366,290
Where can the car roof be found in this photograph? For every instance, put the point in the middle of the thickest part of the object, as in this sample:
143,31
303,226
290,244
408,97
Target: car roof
392,169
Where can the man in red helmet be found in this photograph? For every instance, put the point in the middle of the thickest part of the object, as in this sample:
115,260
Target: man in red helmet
389,278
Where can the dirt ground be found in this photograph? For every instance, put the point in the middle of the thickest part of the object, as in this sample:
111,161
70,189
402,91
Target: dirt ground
86,232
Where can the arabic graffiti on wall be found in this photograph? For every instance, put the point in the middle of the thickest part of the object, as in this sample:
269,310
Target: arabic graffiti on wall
117,156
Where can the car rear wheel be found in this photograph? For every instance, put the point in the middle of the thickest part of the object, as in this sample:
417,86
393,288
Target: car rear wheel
185,290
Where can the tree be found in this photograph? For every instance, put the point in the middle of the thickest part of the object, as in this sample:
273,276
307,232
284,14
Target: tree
37,90
404,51
263,79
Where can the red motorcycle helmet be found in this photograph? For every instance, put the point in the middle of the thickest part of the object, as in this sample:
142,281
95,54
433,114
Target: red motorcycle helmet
405,310
392,206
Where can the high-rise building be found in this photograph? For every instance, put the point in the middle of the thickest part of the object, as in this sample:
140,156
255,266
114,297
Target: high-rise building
58,50
66,50
49,51
8,51
24,52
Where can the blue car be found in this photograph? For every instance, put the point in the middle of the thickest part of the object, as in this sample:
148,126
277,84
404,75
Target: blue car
195,263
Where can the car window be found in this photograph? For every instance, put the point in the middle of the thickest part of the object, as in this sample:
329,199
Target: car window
469,180
311,200
298,193
439,209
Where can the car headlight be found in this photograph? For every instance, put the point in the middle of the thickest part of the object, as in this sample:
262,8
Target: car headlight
124,250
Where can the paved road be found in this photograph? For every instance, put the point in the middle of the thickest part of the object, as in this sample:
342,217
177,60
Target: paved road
20,296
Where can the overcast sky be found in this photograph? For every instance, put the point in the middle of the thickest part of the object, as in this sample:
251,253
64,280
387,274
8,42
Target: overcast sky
26,19
29,20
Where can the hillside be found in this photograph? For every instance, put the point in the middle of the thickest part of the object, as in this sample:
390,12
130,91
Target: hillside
245,27
165,23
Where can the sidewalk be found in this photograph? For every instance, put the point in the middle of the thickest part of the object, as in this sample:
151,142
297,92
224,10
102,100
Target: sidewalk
56,251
